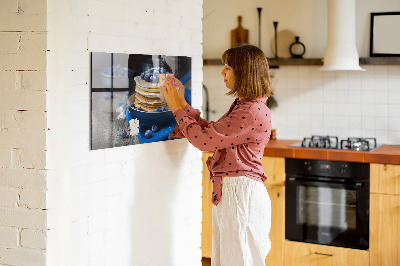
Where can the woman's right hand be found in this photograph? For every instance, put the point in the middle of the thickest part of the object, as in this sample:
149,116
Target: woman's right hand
181,90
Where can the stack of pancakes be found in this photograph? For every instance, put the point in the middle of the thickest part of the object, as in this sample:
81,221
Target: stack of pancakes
147,95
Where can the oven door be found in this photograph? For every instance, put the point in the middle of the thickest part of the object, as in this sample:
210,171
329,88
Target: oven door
327,213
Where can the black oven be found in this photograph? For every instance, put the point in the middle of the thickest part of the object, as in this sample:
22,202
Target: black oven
327,202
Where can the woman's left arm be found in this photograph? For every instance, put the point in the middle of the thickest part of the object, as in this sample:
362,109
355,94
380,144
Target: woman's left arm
237,128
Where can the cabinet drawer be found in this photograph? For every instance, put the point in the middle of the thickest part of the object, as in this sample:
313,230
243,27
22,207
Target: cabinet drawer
304,254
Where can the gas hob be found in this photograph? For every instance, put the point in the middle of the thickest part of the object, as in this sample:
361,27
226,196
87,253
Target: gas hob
332,142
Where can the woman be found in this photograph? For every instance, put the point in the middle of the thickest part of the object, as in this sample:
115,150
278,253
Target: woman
242,208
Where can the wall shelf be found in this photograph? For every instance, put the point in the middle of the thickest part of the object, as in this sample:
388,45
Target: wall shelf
380,61
274,63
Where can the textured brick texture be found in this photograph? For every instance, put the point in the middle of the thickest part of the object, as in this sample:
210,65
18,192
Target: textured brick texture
23,126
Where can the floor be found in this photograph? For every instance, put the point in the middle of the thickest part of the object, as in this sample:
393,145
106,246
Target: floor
206,261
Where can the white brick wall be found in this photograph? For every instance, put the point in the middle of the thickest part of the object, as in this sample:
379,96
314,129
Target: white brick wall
134,205
23,133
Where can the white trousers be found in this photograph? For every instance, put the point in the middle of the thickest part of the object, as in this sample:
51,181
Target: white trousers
241,223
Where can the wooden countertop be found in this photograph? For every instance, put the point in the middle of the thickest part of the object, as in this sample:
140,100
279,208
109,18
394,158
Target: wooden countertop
389,154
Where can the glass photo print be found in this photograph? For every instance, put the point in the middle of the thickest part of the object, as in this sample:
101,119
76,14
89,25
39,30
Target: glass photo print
127,106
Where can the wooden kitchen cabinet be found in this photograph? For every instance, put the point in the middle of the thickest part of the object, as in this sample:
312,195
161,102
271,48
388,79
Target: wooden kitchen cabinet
385,178
384,236
384,215
305,254
274,168
206,225
277,233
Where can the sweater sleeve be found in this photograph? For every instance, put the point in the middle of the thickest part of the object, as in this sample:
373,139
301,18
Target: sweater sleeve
193,113
229,131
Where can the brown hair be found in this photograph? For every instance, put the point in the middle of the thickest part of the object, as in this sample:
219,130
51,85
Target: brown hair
250,66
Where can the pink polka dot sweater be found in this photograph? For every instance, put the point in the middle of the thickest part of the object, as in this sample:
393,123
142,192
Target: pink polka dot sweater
238,139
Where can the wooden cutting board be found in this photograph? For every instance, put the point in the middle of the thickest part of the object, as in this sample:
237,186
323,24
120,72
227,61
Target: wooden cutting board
239,35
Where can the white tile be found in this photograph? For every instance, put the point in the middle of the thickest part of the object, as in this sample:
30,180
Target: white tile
367,96
394,110
381,123
381,97
394,137
278,83
369,70
317,131
355,96
355,132
381,84
304,72
355,122
316,82
317,121
291,71
329,121
368,122
329,109
292,107
342,133
354,80
303,131
380,71
342,122
328,74
317,107
394,83
292,83
367,82
279,72
382,136
342,96
394,70
316,72
329,94
394,97
317,95
354,74
305,109
342,80
303,82
394,123
381,110
367,133
293,120
355,109
342,109
331,131
367,110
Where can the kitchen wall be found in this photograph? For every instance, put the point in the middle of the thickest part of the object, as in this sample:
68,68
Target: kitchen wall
60,202
343,103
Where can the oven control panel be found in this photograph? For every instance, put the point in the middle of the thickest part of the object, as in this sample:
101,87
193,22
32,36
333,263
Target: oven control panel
337,169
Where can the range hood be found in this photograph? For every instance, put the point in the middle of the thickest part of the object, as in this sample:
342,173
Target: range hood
341,51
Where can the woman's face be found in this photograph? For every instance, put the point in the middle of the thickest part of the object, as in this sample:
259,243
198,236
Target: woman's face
229,76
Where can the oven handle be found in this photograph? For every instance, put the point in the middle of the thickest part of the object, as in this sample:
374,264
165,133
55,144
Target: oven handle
357,185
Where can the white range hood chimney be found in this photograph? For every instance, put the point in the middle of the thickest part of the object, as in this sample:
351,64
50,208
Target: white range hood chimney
341,51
